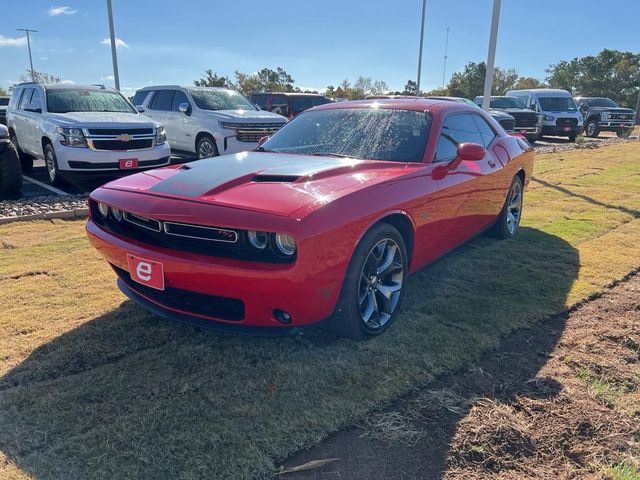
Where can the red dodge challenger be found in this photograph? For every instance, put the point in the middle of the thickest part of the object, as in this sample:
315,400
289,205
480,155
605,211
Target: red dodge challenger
325,220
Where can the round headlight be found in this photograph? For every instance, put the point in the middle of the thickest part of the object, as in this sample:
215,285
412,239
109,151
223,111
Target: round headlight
285,244
258,240
103,210
117,214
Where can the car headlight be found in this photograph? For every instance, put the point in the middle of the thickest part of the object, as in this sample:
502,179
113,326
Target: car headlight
72,137
161,135
103,209
606,115
258,240
548,118
117,214
285,244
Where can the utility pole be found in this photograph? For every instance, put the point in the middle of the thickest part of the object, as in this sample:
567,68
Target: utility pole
446,48
424,8
28,30
114,56
491,56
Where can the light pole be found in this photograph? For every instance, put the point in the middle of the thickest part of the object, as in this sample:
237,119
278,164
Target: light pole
446,48
491,56
424,8
114,56
28,30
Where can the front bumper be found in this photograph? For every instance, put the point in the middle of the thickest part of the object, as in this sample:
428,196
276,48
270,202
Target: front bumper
231,144
306,289
92,162
561,131
613,125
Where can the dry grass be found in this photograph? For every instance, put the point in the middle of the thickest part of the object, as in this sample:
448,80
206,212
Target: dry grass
91,386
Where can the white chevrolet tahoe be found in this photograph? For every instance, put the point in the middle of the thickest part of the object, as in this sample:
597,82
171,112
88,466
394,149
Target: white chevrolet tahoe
86,131
206,121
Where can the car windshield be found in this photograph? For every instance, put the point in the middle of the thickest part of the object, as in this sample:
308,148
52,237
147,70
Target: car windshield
600,102
362,133
557,104
301,103
210,99
506,102
63,101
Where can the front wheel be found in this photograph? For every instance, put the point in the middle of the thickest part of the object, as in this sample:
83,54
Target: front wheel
591,129
508,222
373,287
624,133
51,162
206,147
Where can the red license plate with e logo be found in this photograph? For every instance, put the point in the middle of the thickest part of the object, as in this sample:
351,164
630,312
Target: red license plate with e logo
128,163
146,272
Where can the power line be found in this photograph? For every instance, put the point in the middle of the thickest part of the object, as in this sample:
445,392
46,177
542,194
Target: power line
28,30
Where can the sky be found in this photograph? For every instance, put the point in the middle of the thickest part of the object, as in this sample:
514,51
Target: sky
318,43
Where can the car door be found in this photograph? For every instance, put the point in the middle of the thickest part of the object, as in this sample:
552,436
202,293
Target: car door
20,123
181,135
32,122
468,186
280,105
159,105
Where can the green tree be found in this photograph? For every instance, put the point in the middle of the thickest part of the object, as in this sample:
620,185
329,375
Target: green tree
470,82
410,88
3,91
212,79
525,83
39,77
611,73
266,80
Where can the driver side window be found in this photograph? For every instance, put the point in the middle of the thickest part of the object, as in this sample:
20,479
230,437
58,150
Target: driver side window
456,129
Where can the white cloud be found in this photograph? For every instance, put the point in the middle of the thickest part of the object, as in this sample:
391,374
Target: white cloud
108,77
12,42
119,43
44,58
55,11
68,82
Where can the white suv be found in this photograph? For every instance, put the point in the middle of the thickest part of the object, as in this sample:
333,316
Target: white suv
83,130
207,121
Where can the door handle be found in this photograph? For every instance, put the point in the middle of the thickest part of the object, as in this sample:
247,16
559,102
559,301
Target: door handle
491,163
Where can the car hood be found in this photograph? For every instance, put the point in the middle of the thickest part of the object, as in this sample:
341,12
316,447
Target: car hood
498,114
611,109
515,110
248,116
100,119
274,183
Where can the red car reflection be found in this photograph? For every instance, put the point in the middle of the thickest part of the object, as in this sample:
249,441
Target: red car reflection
325,220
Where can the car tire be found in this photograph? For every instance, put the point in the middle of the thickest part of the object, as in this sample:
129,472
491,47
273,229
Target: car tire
624,132
51,162
508,222
206,147
10,170
532,138
26,161
592,129
373,286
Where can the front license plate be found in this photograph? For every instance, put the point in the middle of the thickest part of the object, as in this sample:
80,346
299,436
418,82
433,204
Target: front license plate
128,163
146,272
567,129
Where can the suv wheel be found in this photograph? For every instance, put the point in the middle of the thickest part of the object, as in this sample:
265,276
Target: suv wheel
591,129
26,161
624,132
206,147
10,171
51,162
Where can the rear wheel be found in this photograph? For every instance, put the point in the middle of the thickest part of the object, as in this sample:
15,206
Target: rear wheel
26,161
624,132
10,171
508,222
591,129
206,147
373,287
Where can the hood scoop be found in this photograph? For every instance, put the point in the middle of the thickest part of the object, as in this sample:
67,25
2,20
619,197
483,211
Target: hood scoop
275,178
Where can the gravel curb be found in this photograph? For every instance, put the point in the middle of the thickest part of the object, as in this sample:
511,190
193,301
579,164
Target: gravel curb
61,214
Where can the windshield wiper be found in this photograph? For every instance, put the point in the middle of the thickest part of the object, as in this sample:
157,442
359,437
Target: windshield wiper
330,154
262,149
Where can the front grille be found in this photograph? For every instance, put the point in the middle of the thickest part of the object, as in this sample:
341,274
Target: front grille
120,131
202,240
621,116
141,164
508,124
525,119
212,306
252,132
566,122
120,145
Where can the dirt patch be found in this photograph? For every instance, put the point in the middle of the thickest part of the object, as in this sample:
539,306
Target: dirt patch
560,400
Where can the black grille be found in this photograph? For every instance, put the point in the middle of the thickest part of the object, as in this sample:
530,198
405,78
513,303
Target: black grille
251,136
212,306
567,122
121,131
621,116
133,229
141,164
508,124
120,145
525,119
252,132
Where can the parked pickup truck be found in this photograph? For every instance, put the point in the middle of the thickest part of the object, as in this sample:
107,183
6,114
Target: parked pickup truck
527,122
604,115
10,174
84,131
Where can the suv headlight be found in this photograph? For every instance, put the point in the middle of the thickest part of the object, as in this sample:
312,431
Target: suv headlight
548,118
72,137
161,135
606,115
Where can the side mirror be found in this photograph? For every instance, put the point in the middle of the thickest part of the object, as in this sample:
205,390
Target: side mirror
258,107
263,139
140,109
471,152
185,108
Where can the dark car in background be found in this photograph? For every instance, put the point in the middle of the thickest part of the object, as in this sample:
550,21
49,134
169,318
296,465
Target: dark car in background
604,115
527,121
4,103
506,120
287,104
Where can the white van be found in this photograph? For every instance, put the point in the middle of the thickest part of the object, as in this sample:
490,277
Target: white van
559,112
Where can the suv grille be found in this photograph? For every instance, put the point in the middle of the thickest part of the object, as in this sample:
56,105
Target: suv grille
213,306
621,116
567,122
120,139
525,119
252,132
120,145
508,124
120,131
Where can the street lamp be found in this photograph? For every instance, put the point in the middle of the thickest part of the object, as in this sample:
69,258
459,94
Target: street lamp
28,30
114,56
424,8
491,56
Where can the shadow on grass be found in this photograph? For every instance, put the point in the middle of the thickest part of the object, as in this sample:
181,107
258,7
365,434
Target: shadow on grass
128,395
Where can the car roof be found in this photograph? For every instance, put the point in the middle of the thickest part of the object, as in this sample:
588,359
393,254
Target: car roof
418,104
552,91
289,94
174,87
64,86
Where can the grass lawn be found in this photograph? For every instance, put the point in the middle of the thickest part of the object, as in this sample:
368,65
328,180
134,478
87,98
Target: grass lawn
93,387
